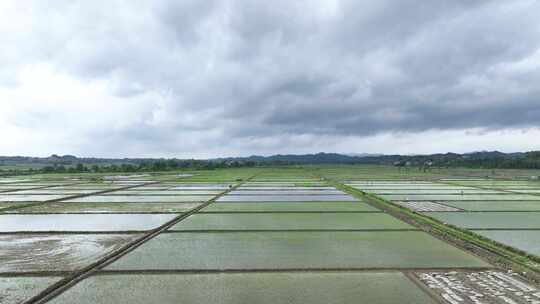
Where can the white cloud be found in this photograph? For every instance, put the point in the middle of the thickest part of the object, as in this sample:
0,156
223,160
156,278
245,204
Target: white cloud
215,78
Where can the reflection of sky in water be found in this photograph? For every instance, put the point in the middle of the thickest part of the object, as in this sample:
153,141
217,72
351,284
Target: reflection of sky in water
286,188
284,198
270,184
284,192
115,177
200,186
169,192
526,240
9,186
141,198
82,222
85,187
57,192
29,198
11,180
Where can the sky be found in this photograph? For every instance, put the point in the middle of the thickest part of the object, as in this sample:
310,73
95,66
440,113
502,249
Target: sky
203,79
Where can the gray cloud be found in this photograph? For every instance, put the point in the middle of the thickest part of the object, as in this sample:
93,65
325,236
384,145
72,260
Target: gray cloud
185,77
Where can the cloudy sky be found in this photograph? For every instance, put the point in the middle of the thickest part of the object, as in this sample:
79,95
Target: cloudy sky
201,79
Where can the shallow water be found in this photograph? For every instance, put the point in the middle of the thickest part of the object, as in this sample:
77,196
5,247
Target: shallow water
285,192
284,198
298,250
57,191
260,288
289,221
483,220
526,240
23,253
270,188
30,198
141,199
81,222
167,192
20,289
290,207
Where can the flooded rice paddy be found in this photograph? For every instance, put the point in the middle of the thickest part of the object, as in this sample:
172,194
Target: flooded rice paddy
507,212
253,235
68,252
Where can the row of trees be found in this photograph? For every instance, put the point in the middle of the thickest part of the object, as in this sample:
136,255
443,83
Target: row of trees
486,160
146,166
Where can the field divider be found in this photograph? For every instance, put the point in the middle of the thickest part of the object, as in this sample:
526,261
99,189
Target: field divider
66,283
10,274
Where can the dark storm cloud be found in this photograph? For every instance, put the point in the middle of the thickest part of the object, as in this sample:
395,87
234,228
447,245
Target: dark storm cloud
198,72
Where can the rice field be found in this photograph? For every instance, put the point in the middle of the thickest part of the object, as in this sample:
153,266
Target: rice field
506,211
261,235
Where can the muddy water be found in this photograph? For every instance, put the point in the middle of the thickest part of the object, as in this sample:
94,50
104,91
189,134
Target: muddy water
23,253
106,208
20,289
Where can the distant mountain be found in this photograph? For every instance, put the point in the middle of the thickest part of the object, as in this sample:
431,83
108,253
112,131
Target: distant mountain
363,154
318,158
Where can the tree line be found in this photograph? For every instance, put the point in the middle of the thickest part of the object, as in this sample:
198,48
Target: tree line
145,166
